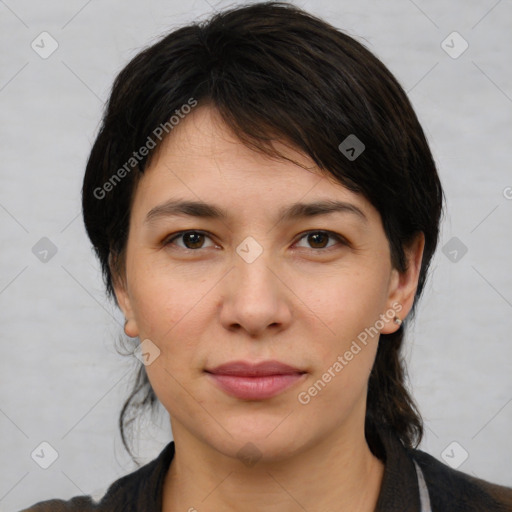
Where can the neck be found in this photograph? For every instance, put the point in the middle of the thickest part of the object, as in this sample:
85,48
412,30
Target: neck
337,473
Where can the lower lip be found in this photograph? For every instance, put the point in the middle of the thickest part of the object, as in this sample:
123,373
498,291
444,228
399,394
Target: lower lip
255,388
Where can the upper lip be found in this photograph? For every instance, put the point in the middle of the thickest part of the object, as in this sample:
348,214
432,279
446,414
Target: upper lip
249,369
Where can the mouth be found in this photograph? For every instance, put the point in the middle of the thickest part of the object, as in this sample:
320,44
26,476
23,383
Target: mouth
250,381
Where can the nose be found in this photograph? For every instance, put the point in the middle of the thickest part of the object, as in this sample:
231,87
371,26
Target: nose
255,297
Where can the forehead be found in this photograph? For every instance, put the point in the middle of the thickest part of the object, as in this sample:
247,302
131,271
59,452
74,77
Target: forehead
202,139
203,160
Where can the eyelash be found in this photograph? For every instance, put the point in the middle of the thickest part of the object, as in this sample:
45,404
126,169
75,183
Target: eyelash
169,241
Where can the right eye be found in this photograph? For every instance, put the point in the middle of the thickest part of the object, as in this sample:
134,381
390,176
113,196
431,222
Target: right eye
193,238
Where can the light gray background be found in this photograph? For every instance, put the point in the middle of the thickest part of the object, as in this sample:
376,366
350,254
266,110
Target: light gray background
62,380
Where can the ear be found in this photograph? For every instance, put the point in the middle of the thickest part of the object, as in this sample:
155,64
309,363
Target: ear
403,285
122,295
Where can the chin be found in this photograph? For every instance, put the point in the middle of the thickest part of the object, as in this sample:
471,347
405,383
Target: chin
261,442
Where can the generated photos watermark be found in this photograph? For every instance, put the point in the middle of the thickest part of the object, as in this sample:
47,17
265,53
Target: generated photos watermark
304,397
159,133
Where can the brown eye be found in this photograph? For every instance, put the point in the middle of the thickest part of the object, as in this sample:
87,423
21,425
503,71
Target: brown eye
191,239
320,239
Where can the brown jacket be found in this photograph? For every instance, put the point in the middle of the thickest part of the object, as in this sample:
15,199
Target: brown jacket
414,481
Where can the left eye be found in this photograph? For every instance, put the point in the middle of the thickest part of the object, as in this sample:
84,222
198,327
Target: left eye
194,239
319,237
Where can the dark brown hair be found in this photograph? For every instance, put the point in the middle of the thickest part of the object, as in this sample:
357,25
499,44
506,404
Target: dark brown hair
275,72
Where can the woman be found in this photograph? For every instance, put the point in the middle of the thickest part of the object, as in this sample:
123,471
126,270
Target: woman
265,206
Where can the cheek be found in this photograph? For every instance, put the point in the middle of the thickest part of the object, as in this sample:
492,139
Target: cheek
344,336
170,312
344,305
343,354
165,299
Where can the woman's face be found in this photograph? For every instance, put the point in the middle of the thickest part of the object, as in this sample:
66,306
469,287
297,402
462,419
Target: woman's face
254,286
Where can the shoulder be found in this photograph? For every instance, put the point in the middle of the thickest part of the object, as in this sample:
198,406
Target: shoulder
117,497
139,490
79,503
453,490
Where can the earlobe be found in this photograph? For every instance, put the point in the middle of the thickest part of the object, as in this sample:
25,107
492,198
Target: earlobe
130,325
123,299
403,285
130,328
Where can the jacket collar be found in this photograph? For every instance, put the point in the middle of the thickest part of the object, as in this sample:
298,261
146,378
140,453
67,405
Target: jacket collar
399,489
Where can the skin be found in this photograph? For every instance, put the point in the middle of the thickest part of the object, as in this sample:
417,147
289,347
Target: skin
302,301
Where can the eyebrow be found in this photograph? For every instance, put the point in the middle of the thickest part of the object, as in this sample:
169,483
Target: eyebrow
294,211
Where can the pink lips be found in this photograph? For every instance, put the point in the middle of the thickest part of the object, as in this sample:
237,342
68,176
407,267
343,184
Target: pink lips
251,381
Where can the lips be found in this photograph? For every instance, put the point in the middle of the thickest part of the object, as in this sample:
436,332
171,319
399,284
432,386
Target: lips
255,381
